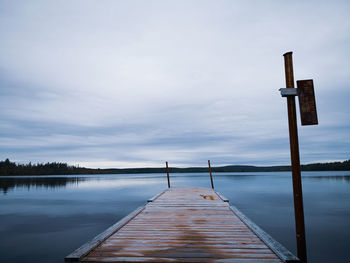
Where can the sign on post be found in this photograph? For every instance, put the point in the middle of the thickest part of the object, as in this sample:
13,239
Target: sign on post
307,102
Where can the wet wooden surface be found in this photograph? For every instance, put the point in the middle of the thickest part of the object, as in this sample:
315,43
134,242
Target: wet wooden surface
184,224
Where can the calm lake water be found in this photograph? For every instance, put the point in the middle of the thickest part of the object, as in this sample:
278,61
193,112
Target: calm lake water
43,219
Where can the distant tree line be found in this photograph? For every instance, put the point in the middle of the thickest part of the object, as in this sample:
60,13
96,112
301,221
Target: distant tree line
11,168
334,166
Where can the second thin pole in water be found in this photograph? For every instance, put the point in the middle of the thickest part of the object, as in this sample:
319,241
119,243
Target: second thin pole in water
167,173
211,177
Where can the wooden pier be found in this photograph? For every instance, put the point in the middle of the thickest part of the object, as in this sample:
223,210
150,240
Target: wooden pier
184,224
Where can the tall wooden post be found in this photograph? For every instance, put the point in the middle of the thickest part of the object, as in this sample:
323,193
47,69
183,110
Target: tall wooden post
211,177
167,172
295,160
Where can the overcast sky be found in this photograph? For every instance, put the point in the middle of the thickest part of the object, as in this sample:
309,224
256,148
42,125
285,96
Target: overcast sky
135,83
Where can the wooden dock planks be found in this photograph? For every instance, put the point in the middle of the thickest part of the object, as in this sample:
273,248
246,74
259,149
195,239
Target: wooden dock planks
184,224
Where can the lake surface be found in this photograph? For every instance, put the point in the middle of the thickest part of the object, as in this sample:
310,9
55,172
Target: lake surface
43,219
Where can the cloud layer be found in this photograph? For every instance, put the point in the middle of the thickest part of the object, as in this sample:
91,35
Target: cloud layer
135,83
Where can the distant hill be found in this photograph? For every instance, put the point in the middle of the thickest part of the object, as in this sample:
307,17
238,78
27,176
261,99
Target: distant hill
11,168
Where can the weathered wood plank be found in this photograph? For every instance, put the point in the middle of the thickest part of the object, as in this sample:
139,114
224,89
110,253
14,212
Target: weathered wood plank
132,245
181,254
153,259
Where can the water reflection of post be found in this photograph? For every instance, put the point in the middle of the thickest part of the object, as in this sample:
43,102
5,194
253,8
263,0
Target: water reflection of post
167,172
211,177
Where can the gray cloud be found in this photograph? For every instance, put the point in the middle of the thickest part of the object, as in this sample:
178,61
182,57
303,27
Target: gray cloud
134,83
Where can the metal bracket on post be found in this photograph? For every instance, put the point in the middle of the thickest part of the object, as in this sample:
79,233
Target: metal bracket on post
285,92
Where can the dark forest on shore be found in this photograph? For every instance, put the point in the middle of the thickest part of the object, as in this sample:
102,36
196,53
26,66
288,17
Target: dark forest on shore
55,168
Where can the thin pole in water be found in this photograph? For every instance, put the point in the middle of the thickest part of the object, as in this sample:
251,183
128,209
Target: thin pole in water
295,160
211,177
167,172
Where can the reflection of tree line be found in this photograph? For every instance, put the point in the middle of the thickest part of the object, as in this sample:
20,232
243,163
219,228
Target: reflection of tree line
7,184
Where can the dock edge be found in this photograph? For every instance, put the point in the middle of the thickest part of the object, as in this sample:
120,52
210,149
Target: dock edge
282,252
82,251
